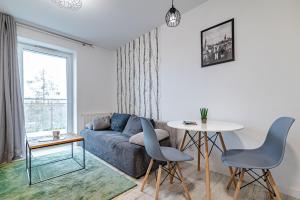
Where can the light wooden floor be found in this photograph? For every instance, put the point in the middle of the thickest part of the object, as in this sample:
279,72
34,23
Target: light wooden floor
196,185
194,180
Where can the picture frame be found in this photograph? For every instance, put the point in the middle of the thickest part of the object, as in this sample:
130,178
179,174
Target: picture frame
217,44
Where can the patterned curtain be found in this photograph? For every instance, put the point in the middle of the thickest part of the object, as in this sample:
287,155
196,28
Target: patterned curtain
137,76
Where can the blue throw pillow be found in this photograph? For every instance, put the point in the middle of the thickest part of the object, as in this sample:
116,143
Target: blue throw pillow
134,125
119,121
151,121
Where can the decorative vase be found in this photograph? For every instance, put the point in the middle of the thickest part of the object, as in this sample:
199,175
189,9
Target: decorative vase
204,120
56,134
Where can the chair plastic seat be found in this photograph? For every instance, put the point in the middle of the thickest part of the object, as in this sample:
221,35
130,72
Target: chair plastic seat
248,159
174,155
267,156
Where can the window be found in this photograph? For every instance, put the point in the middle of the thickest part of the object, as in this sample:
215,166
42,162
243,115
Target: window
46,77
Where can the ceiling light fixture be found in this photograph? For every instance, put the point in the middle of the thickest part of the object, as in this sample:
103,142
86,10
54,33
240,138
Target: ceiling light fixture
173,16
70,4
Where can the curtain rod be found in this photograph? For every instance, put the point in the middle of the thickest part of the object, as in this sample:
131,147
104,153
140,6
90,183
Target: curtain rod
32,27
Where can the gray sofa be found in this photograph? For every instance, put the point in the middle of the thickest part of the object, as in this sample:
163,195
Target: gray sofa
115,148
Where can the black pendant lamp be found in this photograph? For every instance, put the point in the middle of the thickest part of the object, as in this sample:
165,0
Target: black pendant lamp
173,16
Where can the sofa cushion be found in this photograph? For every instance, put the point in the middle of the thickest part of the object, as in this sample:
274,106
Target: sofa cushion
119,121
101,123
115,148
133,126
107,139
139,138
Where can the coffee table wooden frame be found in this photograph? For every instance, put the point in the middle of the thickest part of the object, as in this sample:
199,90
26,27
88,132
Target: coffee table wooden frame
30,145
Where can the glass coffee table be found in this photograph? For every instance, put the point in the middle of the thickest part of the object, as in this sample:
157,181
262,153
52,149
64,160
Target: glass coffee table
34,143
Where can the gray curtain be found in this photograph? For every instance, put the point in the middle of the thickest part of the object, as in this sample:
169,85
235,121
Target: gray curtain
12,126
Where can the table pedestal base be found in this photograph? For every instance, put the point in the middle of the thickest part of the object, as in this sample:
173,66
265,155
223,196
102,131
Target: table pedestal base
194,141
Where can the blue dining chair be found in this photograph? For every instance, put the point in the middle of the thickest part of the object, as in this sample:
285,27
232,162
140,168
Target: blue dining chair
264,158
166,154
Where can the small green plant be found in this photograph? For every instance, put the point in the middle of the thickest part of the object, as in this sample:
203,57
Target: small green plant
204,112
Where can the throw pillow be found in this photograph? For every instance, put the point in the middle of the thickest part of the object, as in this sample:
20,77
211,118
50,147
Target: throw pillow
133,126
101,123
119,121
89,126
151,121
139,138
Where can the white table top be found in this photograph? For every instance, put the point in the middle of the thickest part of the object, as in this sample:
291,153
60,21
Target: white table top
210,126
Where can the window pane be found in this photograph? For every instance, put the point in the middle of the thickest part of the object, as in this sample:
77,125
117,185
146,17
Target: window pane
45,91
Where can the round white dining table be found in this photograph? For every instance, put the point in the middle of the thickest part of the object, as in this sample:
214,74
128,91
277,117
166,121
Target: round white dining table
211,126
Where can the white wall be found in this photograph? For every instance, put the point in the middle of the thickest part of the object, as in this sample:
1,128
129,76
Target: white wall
261,85
94,81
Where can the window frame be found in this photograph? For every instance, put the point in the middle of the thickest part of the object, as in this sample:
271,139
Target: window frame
70,74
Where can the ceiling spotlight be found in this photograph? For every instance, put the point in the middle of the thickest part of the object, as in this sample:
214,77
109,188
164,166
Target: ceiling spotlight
173,16
70,4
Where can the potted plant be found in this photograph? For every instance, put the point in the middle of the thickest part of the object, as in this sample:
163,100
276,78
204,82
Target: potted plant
203,112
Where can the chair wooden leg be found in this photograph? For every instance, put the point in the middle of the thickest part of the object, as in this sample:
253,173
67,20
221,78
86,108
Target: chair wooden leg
239,184
199,152
170,167
230,168
182,181
147,174
274,186
267,183
158,182
182,142
207,174
231,178
172,172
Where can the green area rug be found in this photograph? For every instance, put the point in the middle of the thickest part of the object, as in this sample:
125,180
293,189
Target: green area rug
97,181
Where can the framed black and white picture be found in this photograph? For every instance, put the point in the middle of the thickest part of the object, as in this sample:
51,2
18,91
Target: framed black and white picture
217,44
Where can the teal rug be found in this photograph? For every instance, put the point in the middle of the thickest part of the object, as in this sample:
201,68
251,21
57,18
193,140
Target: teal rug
97,181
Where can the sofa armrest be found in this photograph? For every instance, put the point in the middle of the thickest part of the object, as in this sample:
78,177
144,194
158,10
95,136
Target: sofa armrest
172,131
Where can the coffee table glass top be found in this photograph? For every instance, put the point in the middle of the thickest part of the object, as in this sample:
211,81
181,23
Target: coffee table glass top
46,141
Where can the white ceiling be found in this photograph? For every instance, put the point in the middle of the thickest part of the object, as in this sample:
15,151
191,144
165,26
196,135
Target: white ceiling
105,23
